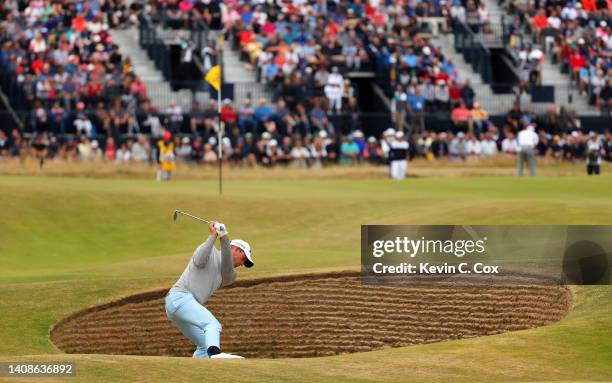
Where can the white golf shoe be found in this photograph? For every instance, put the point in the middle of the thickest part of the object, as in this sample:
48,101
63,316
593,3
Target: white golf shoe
225,355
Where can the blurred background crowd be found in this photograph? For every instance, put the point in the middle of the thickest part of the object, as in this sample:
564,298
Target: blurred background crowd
85,100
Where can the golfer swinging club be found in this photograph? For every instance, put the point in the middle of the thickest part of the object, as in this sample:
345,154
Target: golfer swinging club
207,270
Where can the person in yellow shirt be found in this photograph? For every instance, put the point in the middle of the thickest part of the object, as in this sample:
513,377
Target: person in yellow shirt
480,117
166,158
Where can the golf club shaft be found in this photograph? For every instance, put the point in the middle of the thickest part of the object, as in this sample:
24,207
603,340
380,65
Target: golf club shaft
192,216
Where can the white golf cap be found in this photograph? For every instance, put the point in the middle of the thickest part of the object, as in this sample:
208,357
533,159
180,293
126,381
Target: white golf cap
244,246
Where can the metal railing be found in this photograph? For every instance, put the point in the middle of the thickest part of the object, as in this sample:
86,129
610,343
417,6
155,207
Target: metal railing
155,47
473,50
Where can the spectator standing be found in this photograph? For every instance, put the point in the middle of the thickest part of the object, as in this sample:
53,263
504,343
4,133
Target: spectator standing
166,158
399,106
398,156
594,150
334,90
527,141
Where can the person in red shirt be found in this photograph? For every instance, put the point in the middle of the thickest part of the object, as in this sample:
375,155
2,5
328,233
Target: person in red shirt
462,117
38,65
94,88
79,23
589,5
441,76
109,150
229,114
246,37
577,62
139,89
540,21
454,93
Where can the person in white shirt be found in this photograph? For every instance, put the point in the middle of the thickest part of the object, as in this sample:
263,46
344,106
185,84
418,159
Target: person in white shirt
123,154
183,152
509,144
300,155
174,114
398,156
334,90
569,12
473,147
385,144
527,141
317,152
488,147
83,125
594,149
140,149
38,44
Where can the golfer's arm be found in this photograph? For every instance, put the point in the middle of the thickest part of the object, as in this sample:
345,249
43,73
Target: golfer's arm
202,253
227,264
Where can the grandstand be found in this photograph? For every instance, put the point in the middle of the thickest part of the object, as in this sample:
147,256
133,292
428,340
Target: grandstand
326,76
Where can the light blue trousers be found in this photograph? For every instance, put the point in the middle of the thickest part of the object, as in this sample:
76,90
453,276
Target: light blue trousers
194,320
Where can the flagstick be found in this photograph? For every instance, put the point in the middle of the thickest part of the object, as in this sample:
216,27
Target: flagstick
219,138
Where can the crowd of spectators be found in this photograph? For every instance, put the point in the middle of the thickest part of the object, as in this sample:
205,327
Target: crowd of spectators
560,137
62,56
58,60
67,71
576,34
305,52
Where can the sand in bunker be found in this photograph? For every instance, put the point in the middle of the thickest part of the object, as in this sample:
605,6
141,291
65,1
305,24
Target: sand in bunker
315,315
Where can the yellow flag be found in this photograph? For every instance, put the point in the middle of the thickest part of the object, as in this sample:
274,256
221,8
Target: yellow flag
214,77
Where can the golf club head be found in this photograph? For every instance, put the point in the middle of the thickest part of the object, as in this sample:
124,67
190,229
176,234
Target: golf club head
175,215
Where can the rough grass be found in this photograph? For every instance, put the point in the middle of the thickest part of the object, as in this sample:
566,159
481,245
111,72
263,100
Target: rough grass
67,244
501,165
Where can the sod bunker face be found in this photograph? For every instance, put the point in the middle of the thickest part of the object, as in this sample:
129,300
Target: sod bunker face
315,315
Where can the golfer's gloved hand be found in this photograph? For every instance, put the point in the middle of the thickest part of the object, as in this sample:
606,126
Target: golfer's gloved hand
221,229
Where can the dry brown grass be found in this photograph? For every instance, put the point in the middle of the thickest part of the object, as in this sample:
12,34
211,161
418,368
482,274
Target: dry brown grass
500,166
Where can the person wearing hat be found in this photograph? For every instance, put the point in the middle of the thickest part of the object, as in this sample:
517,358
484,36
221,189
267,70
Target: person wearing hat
208,269
166,158
594,150
398,156
385,145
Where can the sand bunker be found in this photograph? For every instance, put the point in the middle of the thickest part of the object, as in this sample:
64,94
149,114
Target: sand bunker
315,315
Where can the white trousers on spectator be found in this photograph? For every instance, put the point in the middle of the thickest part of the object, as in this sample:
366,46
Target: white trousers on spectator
335,103
398,169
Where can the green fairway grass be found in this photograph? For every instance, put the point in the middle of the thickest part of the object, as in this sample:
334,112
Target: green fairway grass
68,243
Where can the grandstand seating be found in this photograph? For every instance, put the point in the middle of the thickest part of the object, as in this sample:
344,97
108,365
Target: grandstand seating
64,74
